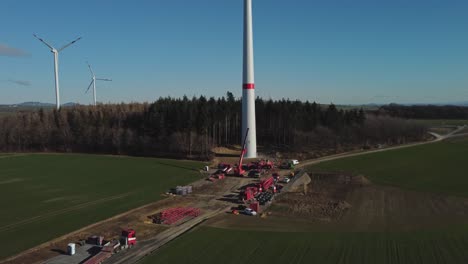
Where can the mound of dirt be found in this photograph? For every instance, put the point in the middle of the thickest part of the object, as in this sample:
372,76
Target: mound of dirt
360,180
325,199
223,150
299,182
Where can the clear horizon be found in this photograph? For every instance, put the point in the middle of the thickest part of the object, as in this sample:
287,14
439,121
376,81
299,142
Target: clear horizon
344,52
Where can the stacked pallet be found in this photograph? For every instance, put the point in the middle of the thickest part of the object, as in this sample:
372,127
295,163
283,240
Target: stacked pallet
174,215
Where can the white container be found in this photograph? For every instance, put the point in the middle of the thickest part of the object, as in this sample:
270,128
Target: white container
71,249
207,168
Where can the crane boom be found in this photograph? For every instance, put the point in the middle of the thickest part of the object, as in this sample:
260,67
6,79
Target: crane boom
244,150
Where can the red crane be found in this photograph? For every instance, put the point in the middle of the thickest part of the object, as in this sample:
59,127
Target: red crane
239,171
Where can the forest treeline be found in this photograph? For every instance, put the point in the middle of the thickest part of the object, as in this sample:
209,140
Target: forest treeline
190,128
425,111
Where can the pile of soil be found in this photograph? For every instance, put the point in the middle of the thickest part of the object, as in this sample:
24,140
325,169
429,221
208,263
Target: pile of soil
324,198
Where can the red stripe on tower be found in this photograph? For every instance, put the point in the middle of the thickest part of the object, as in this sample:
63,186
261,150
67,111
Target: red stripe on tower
249,86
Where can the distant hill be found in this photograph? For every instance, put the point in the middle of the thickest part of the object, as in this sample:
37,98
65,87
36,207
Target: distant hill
30,106
364,106
35,104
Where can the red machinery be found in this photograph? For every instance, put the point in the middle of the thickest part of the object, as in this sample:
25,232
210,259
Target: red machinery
128,237
255,207
216,177
249,193
265,184
261,165
238,170
267,164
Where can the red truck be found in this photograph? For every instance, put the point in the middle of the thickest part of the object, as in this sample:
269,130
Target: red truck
128,237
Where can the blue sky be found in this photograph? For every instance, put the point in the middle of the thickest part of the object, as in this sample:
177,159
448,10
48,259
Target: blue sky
352,52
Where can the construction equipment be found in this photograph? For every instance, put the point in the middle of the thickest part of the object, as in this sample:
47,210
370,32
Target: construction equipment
287,166
264,197
255,207
216,176
261,165
238,170
249,193
95,240
266,164
105,253
264,185
128,237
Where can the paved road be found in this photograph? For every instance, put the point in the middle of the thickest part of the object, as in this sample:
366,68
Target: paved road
145,248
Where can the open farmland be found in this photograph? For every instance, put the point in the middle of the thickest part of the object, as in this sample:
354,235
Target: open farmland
423,222
52,195
438,168
210,245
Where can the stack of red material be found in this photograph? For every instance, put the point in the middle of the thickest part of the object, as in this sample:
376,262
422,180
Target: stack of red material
173,215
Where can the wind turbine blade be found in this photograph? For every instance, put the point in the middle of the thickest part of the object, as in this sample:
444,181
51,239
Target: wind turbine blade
69,44
91,70
89,87
43,41
107,80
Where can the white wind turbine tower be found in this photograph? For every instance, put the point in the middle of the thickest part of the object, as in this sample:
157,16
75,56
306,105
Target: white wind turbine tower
93,83
56,52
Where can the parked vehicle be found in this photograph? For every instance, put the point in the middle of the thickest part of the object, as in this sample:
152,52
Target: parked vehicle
294,162
250,212
287,166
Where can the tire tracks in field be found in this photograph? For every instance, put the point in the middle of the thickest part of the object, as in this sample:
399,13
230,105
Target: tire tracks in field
61,211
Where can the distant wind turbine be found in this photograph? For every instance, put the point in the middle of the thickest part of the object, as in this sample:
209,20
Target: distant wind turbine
93,83
56,71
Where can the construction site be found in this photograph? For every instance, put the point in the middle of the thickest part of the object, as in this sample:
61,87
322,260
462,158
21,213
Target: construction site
183,181
243,189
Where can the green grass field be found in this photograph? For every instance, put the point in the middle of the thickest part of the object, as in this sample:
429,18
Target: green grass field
211,245
45,196
439,168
